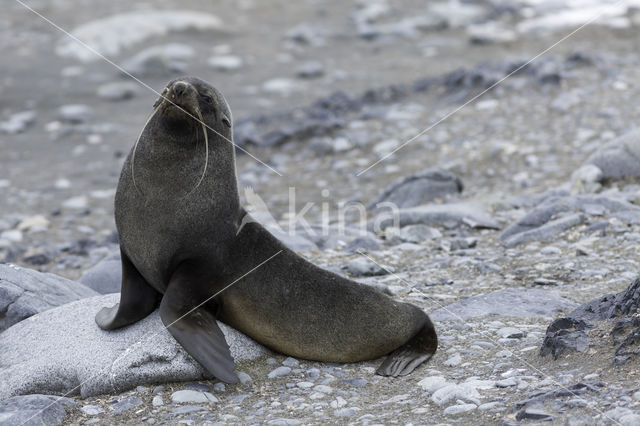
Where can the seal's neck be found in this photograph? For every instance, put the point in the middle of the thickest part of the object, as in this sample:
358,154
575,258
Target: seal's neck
170,163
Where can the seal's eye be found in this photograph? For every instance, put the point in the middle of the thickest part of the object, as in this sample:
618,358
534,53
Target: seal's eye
226,120
208,98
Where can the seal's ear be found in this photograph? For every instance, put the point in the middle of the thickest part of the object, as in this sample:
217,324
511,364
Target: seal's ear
226,120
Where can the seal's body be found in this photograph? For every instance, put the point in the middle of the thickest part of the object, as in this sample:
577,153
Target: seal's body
184,238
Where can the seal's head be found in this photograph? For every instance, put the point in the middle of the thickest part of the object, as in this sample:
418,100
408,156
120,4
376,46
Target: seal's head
189,110
189,101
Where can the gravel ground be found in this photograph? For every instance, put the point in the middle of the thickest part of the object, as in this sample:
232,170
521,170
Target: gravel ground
510,147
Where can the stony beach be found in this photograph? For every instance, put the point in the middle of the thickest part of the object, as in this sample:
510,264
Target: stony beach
503,132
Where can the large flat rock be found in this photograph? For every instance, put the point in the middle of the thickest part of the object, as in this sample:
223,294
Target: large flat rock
25,292
511,302
62,351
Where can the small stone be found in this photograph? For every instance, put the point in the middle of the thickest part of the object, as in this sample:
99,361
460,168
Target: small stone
158,389
290,362
279,372
510,332
225,62
18,122
362,266
161,60
511,381
453,360
37,222
126,404
157,401
533,413
118,91
219,387
432,383
191,396
75,113
79,202
346,412
305,385
244,378
281,86
311,69
14,236
323,389
461,408
92,410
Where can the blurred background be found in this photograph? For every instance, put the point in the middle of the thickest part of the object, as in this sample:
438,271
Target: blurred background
320,91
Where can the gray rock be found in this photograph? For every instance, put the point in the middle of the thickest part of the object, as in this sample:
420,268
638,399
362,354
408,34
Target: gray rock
533,413
547,231
91,410
118,91
75,114
192,397
106,276
512,302
419,189
25,292
225,62
571,332
311,69
34,410
459,408
63,350
18,122
363,267
586,179
451,214
160,61
418,233
554,204
126,404
365,244
620,157
106,35
279,372
490,32
565,101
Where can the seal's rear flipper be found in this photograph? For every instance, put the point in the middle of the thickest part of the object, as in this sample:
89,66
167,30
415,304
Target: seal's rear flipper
196,329
406,358
137,299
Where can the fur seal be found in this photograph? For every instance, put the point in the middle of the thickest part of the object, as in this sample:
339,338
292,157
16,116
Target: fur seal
179,219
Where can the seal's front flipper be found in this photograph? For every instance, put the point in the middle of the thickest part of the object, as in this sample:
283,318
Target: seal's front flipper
137,299
196,328
406,358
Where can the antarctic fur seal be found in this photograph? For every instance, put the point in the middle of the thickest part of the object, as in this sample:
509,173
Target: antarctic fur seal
184,238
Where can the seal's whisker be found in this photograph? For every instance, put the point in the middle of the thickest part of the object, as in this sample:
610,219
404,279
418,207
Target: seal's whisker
206,152
135,147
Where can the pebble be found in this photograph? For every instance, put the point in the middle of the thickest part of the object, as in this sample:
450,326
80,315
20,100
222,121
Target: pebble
225,62
118,91
279,372
190,396
126,404
75,113
92,410
361,266
460,408
157,401
290,362
506,383
453,360
510,332
346,412
18,122
311,69
244,378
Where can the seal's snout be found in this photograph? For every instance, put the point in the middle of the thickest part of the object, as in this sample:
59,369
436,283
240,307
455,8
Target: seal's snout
179,87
